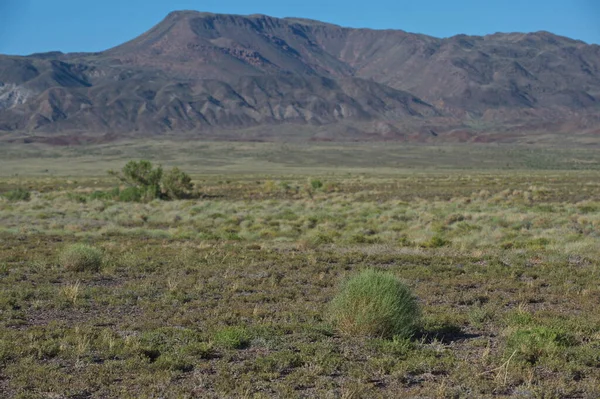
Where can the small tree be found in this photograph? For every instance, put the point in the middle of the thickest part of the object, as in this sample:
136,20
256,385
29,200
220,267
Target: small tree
147,183
143,176
176,184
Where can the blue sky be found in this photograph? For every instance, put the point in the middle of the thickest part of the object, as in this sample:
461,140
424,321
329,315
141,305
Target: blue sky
28,26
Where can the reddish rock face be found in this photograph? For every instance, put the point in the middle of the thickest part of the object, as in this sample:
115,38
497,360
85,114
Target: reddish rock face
200,72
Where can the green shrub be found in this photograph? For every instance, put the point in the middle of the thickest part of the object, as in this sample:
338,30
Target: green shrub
203,350
145,182
18,194
232,338
105,195
322,237
130,194
77,197
174,362
376,304
316,184
435,242
588,208
176,184
81,257
142,176
533,343
518,317
285,186
398,347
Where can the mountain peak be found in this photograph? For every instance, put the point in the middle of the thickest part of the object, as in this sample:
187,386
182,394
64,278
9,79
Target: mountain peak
541,36
199,70
178,14
189,14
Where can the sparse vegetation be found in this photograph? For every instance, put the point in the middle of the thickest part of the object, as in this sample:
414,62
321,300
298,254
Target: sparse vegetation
19,194
229,294
375,304
531,344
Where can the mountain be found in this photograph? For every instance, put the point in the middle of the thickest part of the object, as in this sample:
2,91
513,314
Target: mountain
258,77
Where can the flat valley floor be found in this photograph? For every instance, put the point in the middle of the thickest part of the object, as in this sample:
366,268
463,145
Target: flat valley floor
226,295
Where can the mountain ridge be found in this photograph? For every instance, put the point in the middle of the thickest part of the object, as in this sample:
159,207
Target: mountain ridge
199,73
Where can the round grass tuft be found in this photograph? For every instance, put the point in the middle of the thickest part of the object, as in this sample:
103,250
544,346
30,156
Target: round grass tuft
375,304
233,337
81,257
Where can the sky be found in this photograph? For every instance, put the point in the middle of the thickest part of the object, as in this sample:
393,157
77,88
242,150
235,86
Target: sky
30,26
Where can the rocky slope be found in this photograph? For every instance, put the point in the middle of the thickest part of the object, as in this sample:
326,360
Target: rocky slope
210,74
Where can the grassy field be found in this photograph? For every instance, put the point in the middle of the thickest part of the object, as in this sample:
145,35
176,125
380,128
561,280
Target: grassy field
200,157
227,295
